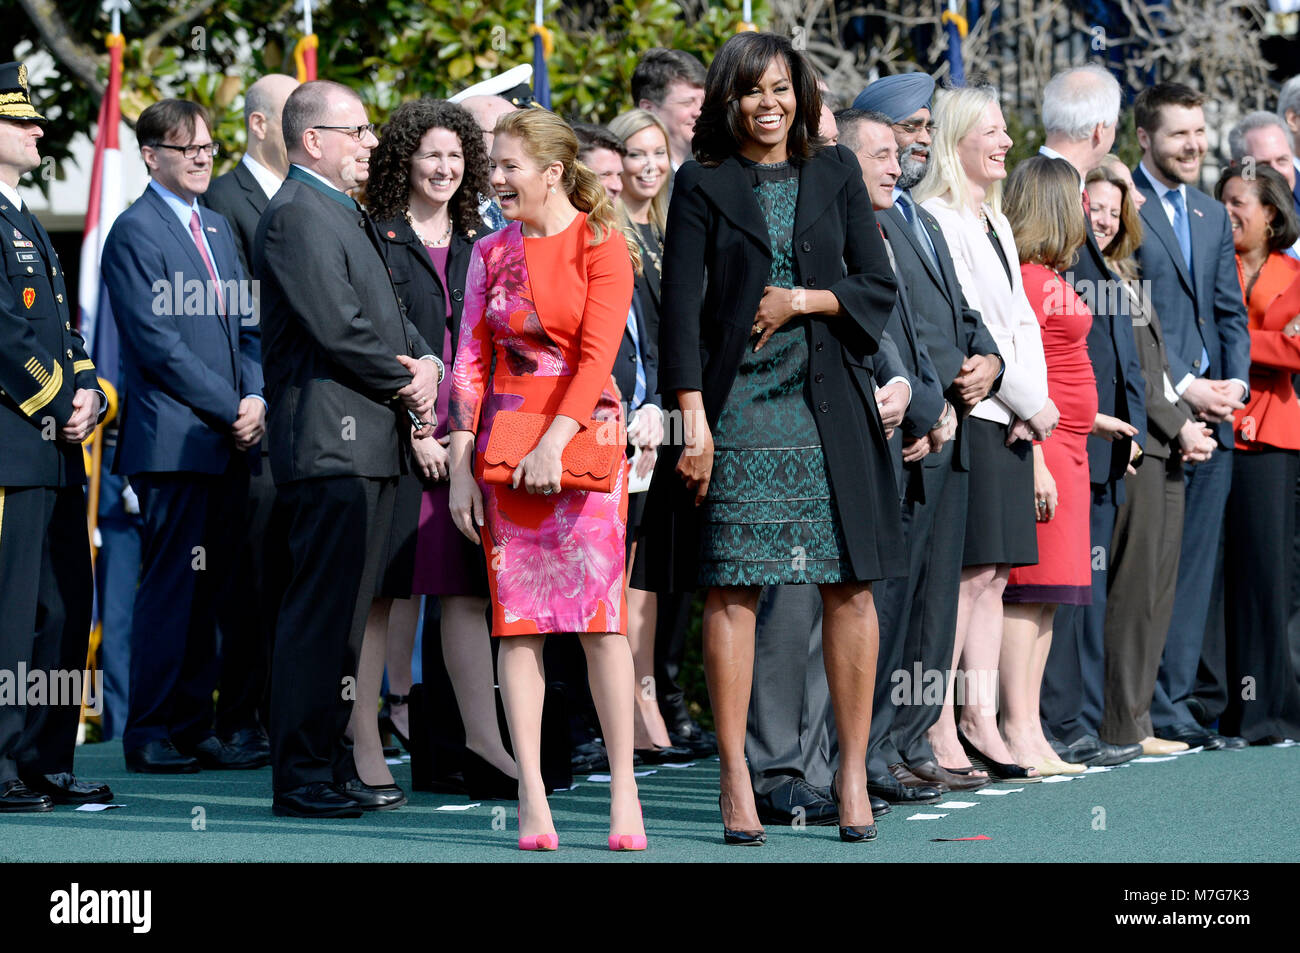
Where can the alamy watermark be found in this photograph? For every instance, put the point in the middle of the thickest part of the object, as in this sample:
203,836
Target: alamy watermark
194,298
37,687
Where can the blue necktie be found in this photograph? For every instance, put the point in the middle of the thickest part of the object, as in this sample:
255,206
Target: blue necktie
904,203
1182,230
638,394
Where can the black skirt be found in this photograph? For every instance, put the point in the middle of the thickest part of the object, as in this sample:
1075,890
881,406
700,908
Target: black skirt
398,568
1000,524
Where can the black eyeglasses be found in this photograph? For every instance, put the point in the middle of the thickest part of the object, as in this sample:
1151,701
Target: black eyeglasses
190,151
356,132
913,126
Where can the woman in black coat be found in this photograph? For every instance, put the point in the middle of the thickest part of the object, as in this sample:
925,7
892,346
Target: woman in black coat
426,176
776,291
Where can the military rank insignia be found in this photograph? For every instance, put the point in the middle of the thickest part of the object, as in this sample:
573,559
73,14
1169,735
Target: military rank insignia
29,297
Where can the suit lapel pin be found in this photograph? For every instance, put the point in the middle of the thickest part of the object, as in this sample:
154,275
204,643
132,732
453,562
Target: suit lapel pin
1197,211
211,228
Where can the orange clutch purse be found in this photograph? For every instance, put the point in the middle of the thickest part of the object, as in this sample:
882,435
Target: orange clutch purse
590,460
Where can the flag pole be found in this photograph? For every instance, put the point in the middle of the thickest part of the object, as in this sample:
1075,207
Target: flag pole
746,24
304,52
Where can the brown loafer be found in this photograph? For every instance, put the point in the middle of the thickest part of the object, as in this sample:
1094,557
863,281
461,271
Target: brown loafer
931,773
904,776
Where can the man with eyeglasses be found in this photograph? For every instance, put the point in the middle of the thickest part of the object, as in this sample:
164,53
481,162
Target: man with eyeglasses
192,418
969,366
347,375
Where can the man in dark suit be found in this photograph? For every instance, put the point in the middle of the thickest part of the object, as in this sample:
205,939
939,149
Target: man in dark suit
1080,113
50,401
246,623
891,124
1188,259
340,367
193,411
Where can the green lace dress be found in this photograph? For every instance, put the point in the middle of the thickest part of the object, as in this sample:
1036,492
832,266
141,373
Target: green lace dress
768,518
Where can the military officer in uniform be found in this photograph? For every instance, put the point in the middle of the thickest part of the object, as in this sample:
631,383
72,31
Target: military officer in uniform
50,402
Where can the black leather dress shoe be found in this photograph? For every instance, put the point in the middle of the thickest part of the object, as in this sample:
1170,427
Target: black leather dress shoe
1117,754
16,797
1229,741
879,806
370,797
690,735
931,771
665,755
1199,711
588,758
1086,749
794,798
213,754
1268,740
66,789
891,790
160,757
250,739
317,799
1191,736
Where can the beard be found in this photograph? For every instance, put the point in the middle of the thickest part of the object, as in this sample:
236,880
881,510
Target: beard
1165,165
913,170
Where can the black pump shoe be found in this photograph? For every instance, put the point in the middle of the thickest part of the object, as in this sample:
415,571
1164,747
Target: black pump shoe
484,781
386,725
850,835
740,838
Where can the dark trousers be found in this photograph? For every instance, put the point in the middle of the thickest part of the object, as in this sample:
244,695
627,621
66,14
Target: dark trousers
1073,692
45,622
672,624
338,533
189,545
1262,698
247,623
930,642
1207,487
1144,555
789,705
900,605
117,569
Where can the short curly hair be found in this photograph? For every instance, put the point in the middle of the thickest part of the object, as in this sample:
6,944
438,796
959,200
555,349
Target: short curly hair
389,187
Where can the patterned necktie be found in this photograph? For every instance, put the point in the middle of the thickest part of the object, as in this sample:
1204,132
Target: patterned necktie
638,394
196,230
904,204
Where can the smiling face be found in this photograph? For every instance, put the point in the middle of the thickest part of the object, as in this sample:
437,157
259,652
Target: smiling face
767,112
1106,202
437,167
337,154
679,110
608,166
1249,217
877,153
183,177
18,151
1175,149
913,140
1269,147
983,151
520,185
646,165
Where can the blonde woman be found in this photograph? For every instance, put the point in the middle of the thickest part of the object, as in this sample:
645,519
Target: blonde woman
548,298
964,193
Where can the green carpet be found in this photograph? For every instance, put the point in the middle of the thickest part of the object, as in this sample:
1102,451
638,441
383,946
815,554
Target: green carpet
1155,812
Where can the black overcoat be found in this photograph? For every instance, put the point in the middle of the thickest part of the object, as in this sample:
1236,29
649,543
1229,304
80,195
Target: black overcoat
717,257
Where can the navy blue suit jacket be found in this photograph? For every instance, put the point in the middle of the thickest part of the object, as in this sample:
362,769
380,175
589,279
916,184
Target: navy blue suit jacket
185,365
1203,309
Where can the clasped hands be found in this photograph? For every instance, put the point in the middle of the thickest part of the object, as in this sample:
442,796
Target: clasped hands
84,417
973,383
944,430
1214,400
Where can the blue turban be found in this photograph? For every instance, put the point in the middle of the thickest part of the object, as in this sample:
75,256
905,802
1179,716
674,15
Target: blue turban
897,96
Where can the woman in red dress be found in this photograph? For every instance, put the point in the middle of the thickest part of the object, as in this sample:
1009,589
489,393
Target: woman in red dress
1042,204
547,297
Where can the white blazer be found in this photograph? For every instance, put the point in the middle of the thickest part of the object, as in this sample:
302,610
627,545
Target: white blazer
1006,311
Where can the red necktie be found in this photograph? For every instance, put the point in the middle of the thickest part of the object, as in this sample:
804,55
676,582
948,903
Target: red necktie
1087,206
196,230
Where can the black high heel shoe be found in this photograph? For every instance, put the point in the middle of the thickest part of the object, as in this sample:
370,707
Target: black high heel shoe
484,781
386,725
740,838
996,769
850,835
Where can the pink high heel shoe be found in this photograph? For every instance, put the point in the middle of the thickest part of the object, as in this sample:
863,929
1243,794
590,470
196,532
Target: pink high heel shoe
541,842
629,841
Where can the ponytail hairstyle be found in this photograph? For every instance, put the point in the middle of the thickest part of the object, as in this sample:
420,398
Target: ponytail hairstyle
548,139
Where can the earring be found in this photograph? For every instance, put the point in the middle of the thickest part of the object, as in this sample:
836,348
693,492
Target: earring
552,190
